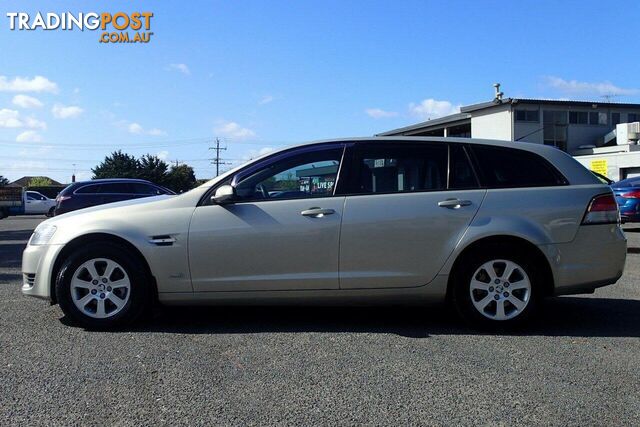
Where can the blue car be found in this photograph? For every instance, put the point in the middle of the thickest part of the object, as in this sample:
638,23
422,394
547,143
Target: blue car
627,194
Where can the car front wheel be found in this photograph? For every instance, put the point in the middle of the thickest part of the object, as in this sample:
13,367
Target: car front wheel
102,286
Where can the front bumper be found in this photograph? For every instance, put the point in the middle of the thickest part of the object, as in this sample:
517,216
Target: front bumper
37,268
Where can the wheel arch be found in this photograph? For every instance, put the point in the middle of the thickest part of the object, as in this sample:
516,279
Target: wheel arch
77,242
513,243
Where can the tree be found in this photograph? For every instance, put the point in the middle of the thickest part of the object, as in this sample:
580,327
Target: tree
39,181
3,181
153,169
117,165
181,178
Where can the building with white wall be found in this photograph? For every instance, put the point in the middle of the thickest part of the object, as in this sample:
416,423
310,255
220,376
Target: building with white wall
590,131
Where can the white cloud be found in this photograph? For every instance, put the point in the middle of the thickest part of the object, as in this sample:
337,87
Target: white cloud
432,109
265,100
25,101
29,136
66,112
162,155
156,132
183,68
137,129
378,113
575,87
13,119
24,84
252,154
233,130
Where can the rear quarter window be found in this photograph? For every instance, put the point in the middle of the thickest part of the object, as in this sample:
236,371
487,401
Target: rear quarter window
508,168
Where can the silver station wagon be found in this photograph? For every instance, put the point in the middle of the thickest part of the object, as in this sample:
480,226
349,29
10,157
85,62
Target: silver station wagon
491,227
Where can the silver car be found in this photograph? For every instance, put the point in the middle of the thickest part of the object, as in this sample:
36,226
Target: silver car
490,226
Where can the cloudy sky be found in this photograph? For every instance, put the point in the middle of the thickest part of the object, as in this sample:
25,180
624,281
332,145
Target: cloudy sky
261,74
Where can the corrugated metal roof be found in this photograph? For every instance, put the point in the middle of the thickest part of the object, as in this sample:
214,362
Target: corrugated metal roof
435,122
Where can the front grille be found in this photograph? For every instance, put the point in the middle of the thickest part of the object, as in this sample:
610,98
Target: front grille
29,279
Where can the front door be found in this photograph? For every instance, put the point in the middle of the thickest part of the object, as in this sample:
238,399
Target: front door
409,205
281,232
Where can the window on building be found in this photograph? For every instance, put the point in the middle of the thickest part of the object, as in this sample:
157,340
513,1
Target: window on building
597,118
633,117
615,118
555,128
508,168
578,117
400,168
527,116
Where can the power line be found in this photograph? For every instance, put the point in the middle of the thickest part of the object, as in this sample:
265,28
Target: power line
217,160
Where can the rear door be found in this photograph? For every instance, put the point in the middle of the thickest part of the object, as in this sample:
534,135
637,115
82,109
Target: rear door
407,206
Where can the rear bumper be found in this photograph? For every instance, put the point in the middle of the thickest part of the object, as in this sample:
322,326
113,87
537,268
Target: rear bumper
595,258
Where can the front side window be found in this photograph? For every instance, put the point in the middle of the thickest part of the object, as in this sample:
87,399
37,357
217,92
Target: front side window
115,188
508,168
145,189
399,167
306,175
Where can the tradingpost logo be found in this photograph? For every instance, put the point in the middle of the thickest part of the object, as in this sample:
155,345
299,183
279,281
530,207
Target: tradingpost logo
119,27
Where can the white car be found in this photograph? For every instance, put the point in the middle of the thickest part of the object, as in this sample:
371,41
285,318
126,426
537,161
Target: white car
491,226
36,203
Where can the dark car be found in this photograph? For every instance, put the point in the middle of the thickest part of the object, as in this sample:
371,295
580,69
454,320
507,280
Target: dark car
627,194
100,191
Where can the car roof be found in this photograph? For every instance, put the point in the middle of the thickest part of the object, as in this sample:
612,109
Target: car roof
113,180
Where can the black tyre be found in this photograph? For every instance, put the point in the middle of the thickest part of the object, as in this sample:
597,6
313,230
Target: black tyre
51,212
496,288
103,285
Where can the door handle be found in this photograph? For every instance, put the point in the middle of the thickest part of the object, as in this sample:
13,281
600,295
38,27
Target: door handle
317,212
454,203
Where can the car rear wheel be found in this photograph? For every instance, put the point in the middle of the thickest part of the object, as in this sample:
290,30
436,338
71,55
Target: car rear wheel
51,212
496,289
102,286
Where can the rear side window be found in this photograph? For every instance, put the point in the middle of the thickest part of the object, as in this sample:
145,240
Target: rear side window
507,168
461,174
399,168
89,189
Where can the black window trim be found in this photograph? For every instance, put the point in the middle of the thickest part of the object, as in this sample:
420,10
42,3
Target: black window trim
236,178
96,184
354,168
562,180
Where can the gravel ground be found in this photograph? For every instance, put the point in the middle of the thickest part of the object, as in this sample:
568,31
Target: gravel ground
577,365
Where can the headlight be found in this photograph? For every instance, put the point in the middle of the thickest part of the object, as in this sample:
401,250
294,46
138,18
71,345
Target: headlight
42,235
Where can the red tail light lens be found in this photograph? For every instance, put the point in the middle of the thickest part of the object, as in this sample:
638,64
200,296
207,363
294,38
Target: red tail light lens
633,194
602,209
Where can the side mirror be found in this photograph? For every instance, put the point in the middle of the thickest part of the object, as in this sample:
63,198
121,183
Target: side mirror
224,194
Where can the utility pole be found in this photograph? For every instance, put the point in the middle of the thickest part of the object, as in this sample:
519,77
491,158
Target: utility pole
217,160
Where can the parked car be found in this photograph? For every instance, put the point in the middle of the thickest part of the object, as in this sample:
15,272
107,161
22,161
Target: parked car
627,194
16,201
80,195
603,178
491,226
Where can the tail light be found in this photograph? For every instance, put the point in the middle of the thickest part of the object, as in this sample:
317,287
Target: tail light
602,209
633,194
62,198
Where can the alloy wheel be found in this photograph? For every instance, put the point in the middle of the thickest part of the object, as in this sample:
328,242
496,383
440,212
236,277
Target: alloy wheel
500,289
100,288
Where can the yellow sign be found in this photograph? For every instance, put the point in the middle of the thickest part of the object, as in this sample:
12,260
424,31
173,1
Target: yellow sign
599,166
